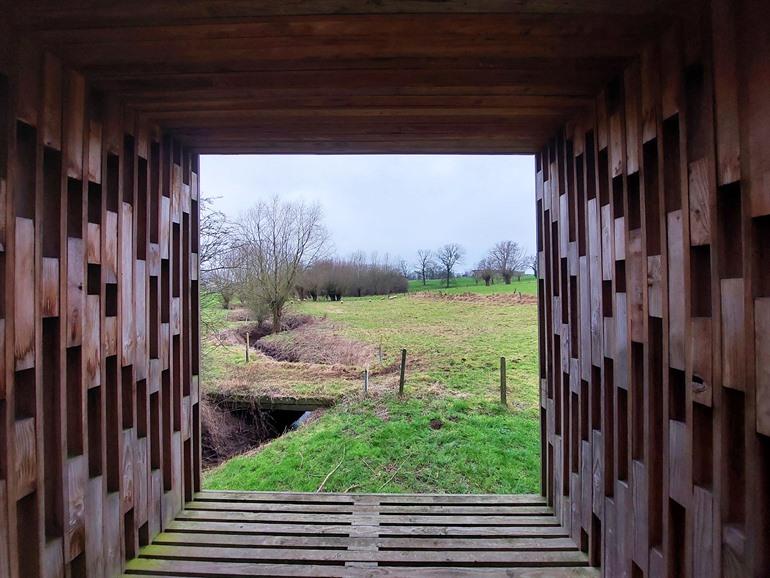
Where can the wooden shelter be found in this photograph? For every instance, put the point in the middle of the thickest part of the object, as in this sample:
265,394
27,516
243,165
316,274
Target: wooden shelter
650,122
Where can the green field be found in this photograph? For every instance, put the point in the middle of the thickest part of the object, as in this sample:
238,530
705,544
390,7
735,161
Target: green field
448,434
527,285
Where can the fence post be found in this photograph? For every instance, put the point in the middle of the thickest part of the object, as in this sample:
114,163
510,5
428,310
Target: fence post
247,347
503,386
401,379
366,381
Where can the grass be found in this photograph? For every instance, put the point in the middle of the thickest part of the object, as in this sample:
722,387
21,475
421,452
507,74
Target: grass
390,446
527,285
383,444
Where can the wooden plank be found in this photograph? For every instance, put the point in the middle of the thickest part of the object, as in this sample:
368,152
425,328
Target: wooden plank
94,243
655,291
733,331
725,92
91,341
676,296
202,540
762,363
94,546
679,462
74,123
126,285
511,558
94,149
75,535
24,293
76,291
25,456
635,271
701,359
49,288
52,101
110,248
127,470
608,250
187,568
703,531
699,194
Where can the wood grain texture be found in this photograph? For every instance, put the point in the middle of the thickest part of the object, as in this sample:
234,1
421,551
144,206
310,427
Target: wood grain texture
73,308
681,490
656,310
350,535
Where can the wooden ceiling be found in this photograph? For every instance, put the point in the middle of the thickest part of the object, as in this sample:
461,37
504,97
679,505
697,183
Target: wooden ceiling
335,76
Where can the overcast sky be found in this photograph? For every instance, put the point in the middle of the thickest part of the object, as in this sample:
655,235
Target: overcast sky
393,204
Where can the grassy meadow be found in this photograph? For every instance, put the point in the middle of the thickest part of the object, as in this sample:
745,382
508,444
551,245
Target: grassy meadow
448,434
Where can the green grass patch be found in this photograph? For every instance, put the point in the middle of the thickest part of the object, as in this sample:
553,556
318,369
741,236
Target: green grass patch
390,446
383,444
527,285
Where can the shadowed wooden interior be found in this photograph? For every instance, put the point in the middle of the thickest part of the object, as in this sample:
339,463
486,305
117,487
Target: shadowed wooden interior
650,123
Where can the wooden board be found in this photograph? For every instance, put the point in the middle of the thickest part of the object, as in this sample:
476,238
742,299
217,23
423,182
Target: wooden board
313,534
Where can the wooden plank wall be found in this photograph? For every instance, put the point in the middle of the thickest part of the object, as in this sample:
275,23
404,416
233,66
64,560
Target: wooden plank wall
98,325
653,216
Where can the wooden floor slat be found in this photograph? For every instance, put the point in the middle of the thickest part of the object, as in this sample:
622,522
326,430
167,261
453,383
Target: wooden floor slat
294,534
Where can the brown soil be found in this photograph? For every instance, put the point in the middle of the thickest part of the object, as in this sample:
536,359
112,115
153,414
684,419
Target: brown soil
498,298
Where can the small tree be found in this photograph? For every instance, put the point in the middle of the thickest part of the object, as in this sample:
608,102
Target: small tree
507,257
533,263
425,264
486,271
449,255
278,240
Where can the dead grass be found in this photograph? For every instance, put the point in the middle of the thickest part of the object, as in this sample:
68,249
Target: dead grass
493,298
224,434
317,343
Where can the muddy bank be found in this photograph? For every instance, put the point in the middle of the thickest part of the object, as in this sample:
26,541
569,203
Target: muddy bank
236,425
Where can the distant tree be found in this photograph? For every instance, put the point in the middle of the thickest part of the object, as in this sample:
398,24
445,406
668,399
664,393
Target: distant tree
403,268
485,270
217,236
278,240
425,264
217,252
533,263
508,257
338,278
449,255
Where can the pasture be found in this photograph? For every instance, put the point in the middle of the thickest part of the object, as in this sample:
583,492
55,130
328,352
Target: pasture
448,433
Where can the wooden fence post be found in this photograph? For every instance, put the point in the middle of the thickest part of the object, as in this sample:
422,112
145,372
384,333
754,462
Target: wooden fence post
247,347
403,371
366,381
503,387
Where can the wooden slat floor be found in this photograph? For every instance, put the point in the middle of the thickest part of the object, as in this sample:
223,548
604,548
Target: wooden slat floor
296,534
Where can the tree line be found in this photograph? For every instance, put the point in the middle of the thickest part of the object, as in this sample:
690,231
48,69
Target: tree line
505,260
280,250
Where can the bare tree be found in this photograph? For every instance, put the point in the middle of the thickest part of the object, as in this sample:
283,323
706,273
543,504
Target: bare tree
403,268
508,257
486,271
217,235
425,263
278,240
450,255
533,262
